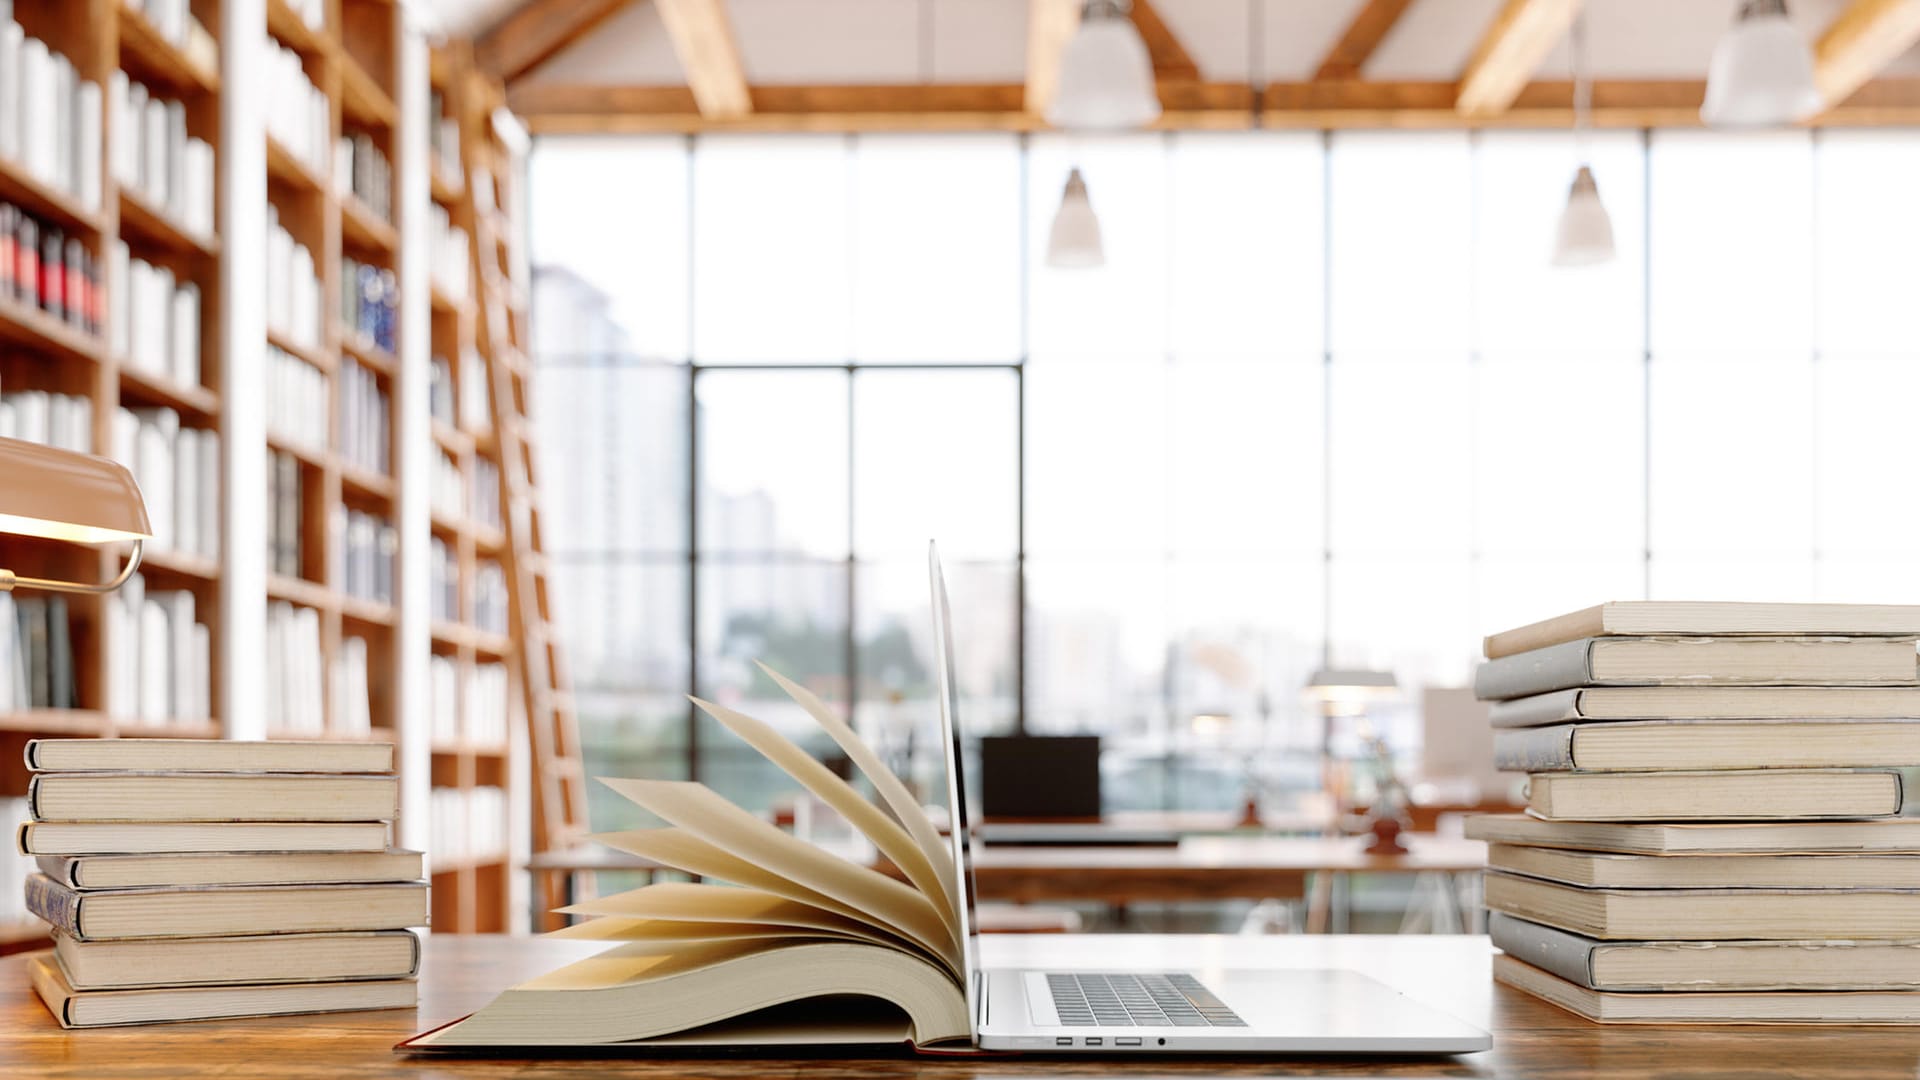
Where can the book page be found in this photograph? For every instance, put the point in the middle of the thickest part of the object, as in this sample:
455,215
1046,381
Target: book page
681,901
886,834
684,851
704,813
614,928
897,797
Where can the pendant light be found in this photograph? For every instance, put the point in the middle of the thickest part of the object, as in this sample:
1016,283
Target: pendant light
1074,240
1585,233
1106,77
1762,71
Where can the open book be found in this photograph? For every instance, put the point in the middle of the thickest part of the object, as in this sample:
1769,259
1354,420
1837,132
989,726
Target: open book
800,946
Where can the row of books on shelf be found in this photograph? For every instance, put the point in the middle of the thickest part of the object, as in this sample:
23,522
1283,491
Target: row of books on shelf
246,878
350,708
299,117
36,641
448,485
296,400
49,116
462,401
466,825
296,703
286,547
364,548
161,664
50,419
42,267
156,324
479,714
175,21
451,252
369,299
178,470
485,502
293,285
366,424
361,168
443,575
155,159
443,135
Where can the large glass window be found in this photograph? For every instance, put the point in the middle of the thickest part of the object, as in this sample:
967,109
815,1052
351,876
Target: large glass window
1325,402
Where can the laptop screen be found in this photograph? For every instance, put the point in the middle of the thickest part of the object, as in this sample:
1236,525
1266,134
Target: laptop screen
961,828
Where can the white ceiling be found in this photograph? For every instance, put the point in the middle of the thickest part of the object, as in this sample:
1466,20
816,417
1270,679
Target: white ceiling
901,41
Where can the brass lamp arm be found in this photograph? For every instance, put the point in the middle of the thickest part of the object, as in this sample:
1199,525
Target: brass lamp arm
10,581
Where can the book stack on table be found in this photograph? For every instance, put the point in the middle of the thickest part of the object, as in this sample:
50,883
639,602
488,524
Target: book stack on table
1713,830
188,879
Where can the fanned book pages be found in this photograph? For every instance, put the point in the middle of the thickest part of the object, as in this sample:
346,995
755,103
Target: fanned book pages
800,946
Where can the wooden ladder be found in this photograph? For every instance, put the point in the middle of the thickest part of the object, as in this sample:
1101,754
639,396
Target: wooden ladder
559,778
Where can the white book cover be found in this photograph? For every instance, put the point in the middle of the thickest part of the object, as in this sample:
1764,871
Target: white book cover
156,663
123,676
120,289
36,88
126,436
186,491
9,420
155,470
180,696
185,336
153,145
10,696
176,203
32,415
136,134
279,615
86,146
123,142
12,41
60,140
202,671
210,496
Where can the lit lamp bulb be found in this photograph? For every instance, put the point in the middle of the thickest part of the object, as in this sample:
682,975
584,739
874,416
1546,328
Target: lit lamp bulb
1074,240
1585,235
1762,71
1106,76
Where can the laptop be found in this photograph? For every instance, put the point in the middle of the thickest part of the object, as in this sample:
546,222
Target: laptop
1301,1010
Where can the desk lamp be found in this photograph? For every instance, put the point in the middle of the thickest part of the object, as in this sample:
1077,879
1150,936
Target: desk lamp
77,498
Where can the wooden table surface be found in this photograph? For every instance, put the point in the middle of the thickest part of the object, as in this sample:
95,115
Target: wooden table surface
1449,972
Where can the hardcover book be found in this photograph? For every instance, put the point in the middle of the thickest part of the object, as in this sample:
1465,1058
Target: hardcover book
143,837
207,755
1606,870
267,958
1753,795
1710,1007
1708,703
1699,661
226,910
108,1008
1657,838
1710,914
803,946
1628,745
86,872
1709,619
155,797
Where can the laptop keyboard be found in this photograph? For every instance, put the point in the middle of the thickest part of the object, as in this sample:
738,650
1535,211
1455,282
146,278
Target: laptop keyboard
1086,1000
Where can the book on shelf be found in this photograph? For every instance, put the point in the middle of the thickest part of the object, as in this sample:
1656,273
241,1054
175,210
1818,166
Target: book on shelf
286,547
1709,1007
156,160
1651,745
350,706
85,873
467,824
476,398
798,924
50,117
361,169
364,548
156,325
1612,870
151,837
161,667
226,910
1705,966
1709,914
365,431
451,252
178,469
1708,703
299,117
296,400
50,419
443,135
1699,661
369,299
490,597
36,670
195,796
42,267
206,755
264,958
443,576
1731,795
108,1008
293,285
1688,618
440,400
295,689
1721,838
449,487
486,493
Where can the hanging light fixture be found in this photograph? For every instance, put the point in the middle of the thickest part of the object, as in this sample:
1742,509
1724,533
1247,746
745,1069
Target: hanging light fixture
1074,240
1106,77
1585,233
1762,71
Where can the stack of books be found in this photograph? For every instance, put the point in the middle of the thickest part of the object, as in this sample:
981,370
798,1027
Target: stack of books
191,880
1712,832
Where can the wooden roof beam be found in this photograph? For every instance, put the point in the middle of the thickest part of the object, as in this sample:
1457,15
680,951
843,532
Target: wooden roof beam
709,54
1860,42
1370,26
1170,58
1510,52
535,32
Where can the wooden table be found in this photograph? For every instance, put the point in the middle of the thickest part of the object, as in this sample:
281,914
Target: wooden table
1531,1038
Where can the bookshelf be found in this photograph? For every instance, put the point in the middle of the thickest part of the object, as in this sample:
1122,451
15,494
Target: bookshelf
318,624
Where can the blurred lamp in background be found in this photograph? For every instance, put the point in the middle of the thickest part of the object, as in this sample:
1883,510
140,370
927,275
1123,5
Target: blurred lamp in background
1106,77
1762,71
75,498
1585,234
1348,691
1074,240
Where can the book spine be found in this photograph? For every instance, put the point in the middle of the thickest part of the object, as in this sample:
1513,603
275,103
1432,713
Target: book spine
58,906
1533,750
1567,955
1538,710
1557,667
62,869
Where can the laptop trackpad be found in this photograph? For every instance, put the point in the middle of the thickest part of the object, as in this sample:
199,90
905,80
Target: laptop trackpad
1040,1010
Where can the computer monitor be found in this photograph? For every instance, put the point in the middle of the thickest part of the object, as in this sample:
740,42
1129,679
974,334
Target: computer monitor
1040,777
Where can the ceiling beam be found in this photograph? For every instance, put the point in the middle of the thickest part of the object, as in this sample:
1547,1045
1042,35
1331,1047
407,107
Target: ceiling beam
1170,58
703,40
1859,43
1510,52
1189,105
1370,26
534,32
1050,25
